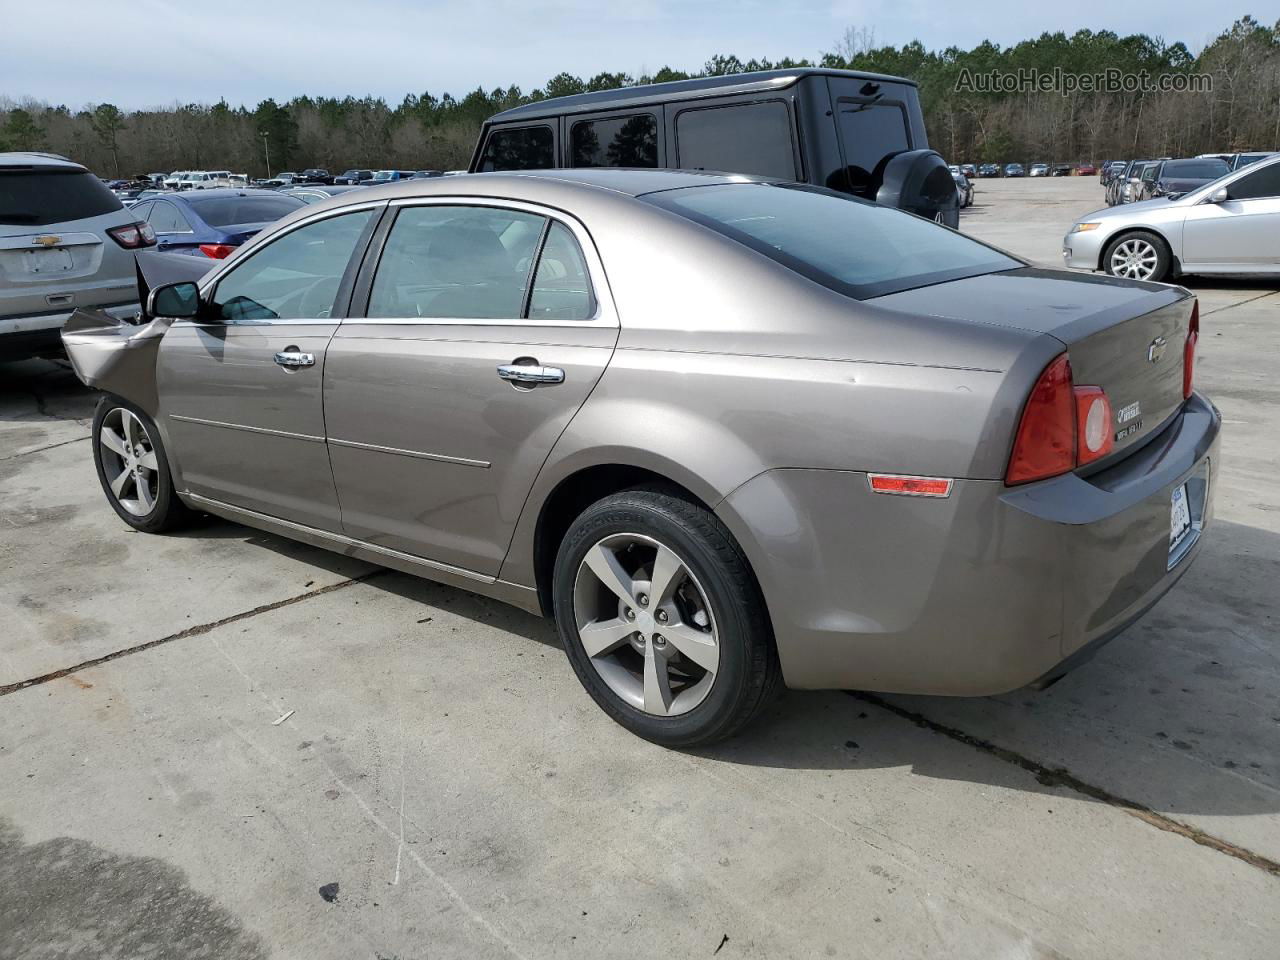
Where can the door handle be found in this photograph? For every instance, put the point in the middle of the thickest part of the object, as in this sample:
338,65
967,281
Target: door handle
530,373
292,357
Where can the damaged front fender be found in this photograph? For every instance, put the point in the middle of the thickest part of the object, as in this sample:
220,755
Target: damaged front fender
119,356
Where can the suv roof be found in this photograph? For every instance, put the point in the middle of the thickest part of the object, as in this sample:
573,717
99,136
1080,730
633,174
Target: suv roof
680,89
37,159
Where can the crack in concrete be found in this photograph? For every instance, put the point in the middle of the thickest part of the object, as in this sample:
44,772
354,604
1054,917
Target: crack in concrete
1061,777
27,453
195,631
1241,303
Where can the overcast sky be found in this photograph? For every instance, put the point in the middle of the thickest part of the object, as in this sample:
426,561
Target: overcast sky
155,52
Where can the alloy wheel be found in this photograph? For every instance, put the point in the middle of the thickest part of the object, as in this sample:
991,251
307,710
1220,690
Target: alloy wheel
1134,259
129,462
646,624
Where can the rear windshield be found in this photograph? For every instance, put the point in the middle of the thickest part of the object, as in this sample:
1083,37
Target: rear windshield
1196,169
224,211
857,248
36,198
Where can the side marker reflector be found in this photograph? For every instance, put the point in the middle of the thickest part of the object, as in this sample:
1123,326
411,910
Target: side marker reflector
909,486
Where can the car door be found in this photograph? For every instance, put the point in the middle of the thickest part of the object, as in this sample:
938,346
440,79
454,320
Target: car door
1241,231
485,325
240,388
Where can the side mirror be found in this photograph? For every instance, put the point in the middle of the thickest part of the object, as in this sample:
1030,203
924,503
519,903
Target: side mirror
178,300
1219,196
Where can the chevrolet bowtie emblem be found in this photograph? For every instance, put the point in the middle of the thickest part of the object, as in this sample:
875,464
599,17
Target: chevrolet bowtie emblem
46,241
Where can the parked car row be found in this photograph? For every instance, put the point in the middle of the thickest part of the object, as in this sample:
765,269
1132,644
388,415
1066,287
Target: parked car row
1038,169
1229,224
1136,180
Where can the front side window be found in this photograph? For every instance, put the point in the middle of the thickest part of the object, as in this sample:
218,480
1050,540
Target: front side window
854,247
750,138
1257,185
616,142
447,262
561,286
293,278
870,134
524,148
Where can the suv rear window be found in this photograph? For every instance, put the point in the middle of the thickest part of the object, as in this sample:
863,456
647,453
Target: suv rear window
751,138
869,133
851,246
36,198
524,148
225,211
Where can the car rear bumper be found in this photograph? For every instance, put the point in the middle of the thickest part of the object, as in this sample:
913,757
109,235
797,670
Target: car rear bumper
981,592
27,336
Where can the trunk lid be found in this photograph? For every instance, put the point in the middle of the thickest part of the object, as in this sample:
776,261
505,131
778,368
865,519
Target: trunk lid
1126,337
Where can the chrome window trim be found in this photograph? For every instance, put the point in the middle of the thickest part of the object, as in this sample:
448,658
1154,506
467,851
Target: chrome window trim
605,315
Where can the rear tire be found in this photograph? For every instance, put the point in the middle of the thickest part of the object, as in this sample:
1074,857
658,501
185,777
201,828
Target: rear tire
133,468
705,628
1138,255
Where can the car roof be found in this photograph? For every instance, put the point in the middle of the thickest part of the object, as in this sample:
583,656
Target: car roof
190,195
761,80
47,161
540,185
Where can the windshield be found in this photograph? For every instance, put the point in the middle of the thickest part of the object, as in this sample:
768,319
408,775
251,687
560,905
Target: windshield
224,211
854,247
1195,169
383,175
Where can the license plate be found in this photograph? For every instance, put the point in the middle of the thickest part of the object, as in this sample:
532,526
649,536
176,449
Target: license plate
48,261
1179,517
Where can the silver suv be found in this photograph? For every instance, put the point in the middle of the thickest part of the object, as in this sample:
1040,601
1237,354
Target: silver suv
65,242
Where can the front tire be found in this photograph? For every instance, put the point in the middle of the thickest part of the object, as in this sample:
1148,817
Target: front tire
133,468
663,620
1138,255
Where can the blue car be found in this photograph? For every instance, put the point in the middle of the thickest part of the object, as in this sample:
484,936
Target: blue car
212,223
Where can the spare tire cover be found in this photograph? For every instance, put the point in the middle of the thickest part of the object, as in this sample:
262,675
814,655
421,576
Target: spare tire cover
919,182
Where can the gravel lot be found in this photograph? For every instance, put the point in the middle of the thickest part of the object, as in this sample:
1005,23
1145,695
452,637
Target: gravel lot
443,788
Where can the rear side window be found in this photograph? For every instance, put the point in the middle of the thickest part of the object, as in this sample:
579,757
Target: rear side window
164,217
870,133
616,142
444,262
561,288
225,211
525,148
750,138
36,198
854,247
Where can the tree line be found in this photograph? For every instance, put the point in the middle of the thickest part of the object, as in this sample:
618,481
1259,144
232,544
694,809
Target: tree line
966,123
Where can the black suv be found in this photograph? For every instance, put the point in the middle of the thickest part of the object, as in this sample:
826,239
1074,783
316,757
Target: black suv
859,133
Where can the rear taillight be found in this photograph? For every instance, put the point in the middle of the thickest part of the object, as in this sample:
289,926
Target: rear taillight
1062,427
133,235
1189,352
1045,445
217,251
